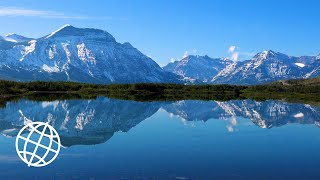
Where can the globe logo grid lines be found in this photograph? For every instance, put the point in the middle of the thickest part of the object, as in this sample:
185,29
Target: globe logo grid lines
41,140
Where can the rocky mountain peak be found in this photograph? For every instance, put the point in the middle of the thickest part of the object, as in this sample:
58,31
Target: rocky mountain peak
265,55
71,31
81,55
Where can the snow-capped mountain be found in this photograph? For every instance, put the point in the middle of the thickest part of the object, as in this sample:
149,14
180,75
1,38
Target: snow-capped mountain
267,66
201,68
94,56
77,54
15,38
264,67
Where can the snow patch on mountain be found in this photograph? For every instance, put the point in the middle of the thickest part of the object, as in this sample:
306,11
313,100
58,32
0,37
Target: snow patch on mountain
52,51
11,37
29,49
50,69
84,118
229,69
299,115
300,64
85,54
308,75
54,32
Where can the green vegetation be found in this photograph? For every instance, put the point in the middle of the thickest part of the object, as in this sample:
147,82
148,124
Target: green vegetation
142,92
300,82
298,90
291,90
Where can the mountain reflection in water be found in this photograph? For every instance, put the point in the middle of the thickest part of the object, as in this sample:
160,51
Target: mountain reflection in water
86,122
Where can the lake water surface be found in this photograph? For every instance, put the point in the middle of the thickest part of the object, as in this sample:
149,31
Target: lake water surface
118,139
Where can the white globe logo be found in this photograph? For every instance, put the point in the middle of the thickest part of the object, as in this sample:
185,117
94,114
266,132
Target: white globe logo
38,144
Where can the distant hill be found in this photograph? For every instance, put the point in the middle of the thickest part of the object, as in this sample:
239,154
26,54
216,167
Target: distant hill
306,82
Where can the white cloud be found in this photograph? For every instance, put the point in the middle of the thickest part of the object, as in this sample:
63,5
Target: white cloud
232,49
235,56
186,54
18,11
235,53
172,60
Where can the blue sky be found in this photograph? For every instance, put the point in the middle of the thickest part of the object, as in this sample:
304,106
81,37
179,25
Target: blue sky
168,29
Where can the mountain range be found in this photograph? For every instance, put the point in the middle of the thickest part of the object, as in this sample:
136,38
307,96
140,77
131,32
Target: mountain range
94,56
264,67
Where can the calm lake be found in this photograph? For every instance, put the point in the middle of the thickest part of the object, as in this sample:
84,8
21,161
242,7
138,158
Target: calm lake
118,139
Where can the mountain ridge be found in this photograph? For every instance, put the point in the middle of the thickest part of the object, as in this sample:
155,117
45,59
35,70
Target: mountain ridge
80,55
265,67
197,67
